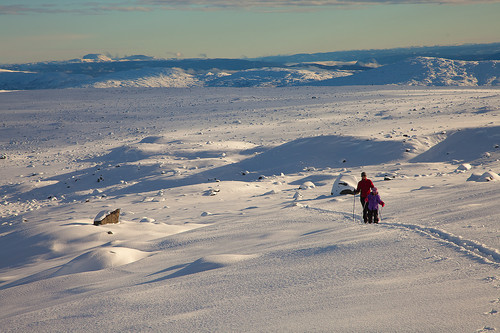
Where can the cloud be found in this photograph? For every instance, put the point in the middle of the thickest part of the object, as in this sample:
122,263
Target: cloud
23,9
78,7
41,9
200,4
126,8
87,7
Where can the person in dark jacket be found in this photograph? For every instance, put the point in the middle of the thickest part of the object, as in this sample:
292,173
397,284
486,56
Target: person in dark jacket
372,202
364,187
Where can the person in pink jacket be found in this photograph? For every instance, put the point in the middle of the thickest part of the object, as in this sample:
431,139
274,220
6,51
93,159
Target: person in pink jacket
372,202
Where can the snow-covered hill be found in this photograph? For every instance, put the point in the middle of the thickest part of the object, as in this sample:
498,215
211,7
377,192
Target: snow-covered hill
146,77
274,77
424,71
140,71
22,80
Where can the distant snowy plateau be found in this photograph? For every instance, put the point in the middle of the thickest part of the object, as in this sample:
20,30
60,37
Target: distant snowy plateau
102,72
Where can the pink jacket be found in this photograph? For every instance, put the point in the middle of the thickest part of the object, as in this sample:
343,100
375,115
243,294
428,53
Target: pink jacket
374,200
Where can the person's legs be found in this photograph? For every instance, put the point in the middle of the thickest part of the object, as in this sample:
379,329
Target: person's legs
365,209
370,216
375,216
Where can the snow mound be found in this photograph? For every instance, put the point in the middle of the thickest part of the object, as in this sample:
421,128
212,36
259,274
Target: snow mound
102,258
212,262
464,167
344,184
485,177
307,185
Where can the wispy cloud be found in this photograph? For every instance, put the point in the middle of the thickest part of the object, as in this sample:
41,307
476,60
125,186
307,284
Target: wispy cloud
295,3
25,9
47,8
87,7
125,8
284,3
290,4
80,7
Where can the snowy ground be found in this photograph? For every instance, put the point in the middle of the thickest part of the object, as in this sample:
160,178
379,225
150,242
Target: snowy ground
215,234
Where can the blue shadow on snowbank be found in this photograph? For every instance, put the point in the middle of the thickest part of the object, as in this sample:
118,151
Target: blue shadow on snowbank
290,158
324,152
293,157
467,145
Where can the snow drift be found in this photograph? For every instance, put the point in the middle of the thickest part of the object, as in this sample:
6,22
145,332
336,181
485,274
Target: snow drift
101,258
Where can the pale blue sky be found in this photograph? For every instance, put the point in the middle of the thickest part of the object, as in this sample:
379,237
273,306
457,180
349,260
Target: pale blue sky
39,30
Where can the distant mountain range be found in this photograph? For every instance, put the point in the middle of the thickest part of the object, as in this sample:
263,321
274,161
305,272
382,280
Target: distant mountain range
468,52
466,65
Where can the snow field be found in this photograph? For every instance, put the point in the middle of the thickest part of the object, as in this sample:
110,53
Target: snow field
212,236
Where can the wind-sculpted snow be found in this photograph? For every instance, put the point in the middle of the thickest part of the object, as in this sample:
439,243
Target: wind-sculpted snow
208,263
101,258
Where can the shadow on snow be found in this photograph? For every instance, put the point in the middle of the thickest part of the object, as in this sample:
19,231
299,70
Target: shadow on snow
115,177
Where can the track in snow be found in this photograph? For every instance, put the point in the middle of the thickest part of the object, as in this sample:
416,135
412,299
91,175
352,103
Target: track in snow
470,247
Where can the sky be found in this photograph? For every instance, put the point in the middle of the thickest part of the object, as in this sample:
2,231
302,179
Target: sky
44,30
